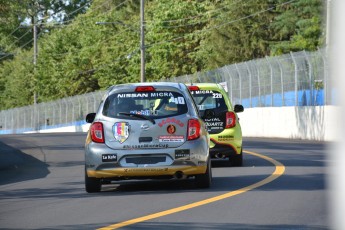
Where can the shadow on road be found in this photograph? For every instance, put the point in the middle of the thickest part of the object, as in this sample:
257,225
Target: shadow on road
16,166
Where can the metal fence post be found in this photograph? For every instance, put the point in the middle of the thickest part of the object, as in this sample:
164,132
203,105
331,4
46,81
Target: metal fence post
230,82
259,83
296,82
250,85
310,74
240,81
282,81
271,73
325,78
94,102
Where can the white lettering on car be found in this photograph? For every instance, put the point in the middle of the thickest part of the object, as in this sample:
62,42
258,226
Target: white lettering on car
132,95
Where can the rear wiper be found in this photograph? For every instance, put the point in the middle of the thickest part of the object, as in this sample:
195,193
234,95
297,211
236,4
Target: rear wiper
138,116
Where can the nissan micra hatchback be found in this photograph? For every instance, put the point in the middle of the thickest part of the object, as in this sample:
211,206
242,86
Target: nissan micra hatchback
146,130
221,121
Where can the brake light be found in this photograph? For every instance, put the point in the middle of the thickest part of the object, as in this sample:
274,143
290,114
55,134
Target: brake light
193,129
230,120
193,88
97,133
144,89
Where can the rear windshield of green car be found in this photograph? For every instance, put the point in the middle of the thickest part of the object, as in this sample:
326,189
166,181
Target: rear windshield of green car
155,105
209,99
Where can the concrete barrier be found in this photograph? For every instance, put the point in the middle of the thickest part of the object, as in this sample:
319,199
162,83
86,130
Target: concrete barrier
304,122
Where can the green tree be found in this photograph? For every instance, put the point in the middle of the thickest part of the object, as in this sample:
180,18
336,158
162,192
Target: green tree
297,26
11,15
16,15
17,18
84,57
17,82
172,37
238,31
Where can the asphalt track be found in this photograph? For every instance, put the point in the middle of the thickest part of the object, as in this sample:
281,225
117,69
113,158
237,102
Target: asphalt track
282,185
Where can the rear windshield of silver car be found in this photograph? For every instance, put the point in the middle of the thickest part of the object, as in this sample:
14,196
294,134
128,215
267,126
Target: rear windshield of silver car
209,99
155,105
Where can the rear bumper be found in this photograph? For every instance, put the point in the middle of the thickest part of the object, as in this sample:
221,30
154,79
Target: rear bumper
147,171
144,162
223,149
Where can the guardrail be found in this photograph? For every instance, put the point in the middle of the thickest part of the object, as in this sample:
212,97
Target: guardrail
295,79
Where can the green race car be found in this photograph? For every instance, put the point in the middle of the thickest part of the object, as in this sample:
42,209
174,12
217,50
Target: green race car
221,121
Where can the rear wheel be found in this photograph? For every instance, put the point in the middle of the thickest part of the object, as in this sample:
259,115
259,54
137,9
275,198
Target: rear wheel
204,180
236,159
92,184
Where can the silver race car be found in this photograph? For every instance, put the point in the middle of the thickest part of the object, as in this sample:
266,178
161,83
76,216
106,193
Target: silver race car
146,130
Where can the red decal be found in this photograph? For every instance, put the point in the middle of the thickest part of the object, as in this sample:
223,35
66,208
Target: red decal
170,120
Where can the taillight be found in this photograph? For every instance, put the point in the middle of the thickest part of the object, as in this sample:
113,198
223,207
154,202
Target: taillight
230,120
193,129
97,134
144,89
193,88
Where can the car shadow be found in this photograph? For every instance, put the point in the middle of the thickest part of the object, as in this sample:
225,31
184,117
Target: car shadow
16,166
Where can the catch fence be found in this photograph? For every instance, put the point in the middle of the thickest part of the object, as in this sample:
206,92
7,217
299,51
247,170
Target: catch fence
295,79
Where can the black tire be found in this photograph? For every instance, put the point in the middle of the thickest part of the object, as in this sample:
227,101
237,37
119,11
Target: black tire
92,184
237,159
204,180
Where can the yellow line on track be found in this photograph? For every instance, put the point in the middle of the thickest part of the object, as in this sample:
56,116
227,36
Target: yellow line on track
279,170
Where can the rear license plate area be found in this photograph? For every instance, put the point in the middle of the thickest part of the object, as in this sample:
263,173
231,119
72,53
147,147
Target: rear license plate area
182,153
109,157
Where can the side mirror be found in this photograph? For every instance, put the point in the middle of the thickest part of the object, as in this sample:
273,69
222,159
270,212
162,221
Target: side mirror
238,108
90,117
208,114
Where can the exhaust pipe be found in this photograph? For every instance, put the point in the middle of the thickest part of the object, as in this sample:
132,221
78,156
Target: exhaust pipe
179,175
220,156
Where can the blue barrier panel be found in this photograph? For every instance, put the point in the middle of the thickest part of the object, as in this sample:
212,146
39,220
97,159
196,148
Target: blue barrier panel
44,127
304,98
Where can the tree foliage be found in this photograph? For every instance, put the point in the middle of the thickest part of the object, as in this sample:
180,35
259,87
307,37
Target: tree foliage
182,37
240,29
18,17
297,26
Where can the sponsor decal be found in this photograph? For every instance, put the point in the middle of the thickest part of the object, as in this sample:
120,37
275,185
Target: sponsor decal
171,129
145,95
132,95
182,153
109,157
214,94
169,121
121,131
225,138
171,138
214,123
146,170
146,146
146,112
162,94
202,92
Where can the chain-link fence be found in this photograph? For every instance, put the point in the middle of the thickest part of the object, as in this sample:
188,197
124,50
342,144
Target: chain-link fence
295,79
55,114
